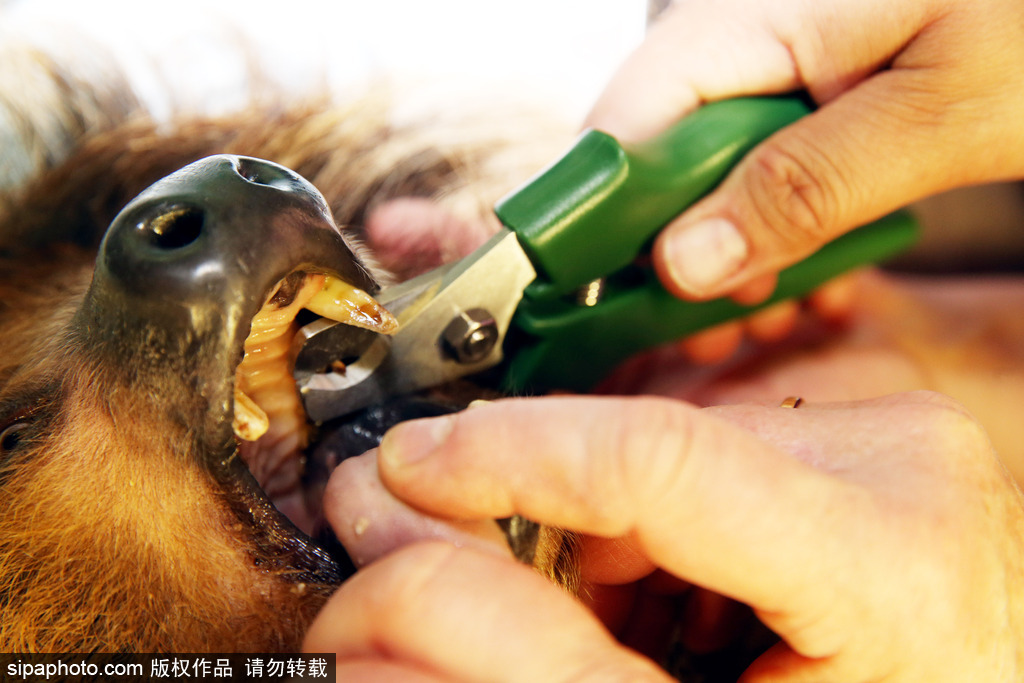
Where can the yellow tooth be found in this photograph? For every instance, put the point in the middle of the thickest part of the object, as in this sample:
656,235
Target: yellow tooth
344,303
250,421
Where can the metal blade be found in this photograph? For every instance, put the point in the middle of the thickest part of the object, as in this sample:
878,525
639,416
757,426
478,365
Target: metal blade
452,323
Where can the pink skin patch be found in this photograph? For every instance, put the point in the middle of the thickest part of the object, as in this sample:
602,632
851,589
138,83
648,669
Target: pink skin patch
411,235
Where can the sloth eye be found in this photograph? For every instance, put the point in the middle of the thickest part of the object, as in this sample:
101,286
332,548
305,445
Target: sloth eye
11,437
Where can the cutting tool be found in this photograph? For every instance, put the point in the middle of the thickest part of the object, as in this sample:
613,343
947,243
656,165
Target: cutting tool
561,294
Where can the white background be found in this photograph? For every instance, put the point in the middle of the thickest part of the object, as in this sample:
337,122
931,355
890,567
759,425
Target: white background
186,52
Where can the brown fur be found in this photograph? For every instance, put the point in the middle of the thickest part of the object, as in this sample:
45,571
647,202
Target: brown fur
112,536
350,153
47,104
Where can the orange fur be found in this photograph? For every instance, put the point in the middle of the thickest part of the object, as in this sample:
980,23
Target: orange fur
113,536
102,553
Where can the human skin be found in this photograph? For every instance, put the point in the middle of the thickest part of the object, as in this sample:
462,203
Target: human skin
884,554
914,98
960,336
879,538
897,334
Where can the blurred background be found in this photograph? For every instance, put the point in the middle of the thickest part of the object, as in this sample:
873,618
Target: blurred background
212,56
186,54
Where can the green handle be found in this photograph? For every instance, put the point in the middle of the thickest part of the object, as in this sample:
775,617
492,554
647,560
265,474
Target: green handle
592,212
595,209
562,345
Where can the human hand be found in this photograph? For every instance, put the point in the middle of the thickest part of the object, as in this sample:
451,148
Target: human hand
426,588
959,336
915,98
433,611
830,305
882,540
412,235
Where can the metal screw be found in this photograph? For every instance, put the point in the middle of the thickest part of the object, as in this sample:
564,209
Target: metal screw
591,293
470,336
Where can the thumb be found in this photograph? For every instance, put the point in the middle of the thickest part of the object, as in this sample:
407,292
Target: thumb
864,154
694,490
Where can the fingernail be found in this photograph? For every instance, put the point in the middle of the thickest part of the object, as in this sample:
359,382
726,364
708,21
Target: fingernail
703,254
411,442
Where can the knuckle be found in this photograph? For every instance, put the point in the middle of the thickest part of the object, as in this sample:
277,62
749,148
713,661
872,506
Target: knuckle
650,462
792,194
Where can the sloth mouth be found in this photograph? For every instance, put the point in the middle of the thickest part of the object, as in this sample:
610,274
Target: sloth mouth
270,425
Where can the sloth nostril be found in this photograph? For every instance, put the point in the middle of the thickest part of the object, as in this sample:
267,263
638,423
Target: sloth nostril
259,172
176,228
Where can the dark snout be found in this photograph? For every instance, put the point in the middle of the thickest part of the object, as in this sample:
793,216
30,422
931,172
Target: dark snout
186,264
224,224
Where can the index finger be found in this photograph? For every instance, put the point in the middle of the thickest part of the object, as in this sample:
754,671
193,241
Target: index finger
689,57
705,499
705,50
434,608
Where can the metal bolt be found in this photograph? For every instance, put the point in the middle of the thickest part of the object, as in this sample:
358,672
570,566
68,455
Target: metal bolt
591,293
470,336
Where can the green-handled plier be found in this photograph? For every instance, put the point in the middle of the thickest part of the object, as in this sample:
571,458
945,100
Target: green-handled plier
514,304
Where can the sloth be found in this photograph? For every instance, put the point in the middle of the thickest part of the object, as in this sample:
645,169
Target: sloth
160,485
160,482
161,488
